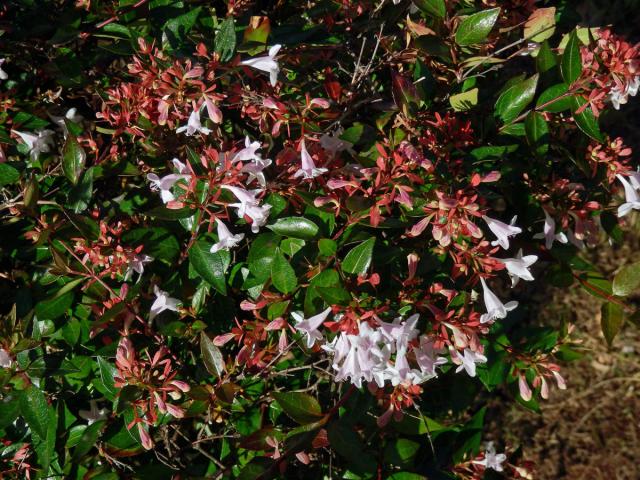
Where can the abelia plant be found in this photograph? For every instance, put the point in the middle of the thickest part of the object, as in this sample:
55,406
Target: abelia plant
298,240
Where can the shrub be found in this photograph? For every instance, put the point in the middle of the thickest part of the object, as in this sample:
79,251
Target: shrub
270,239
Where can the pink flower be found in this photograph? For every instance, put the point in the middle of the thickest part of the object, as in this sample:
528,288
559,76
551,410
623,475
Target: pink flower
495,308
549,232
226,240
502,231
309,327
266,63
308,169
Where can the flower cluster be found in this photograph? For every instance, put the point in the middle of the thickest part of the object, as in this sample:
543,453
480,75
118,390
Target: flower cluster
247,237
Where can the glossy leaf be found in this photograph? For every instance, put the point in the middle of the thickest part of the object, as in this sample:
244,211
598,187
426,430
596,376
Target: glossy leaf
359,258
612,319
571,63
537,132
225,43
475,28
300,407
210,266
586,120
627,280
515,99
296,227
435,8
555,99
211,356
73,159
282,274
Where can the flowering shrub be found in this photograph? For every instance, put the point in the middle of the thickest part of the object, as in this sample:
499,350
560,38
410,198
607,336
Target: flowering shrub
249,241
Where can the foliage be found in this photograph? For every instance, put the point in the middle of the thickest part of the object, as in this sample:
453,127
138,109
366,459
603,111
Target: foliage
250,241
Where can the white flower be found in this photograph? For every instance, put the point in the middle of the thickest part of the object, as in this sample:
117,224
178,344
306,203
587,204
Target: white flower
166,183
248,152
3,74
193,125
308,169
549,232
309,327
467,361
226,240
495,308
518,267
618,97
249,206
38,142
93,415
632,199
634,86
334,144
5,359
426,357
491,459
136,264
502,231
72,115
266,64
163,302
181,168
255,170
256,163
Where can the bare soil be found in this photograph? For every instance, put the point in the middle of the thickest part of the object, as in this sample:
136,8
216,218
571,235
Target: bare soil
592,429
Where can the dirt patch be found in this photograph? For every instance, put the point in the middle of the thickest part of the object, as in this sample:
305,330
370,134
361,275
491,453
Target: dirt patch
591,430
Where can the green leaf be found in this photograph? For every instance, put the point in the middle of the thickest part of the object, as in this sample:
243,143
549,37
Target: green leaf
464,101
358,259
611,320
515,99
35,410
225,43
177,28
549,97
327,247
55,307
435,8
571,63
261,254
401,452
164,213
627,280
282,274
537,132
540,25
296,227
546,59
300,407
73,159
475,28
210,266
347,443
212,356
80,195
8,174
586,120
105,382
335,295
88,440
291,246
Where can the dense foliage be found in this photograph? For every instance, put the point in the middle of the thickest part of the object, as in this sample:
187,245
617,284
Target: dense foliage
261,239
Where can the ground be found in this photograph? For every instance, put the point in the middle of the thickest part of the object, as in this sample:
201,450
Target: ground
591,430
